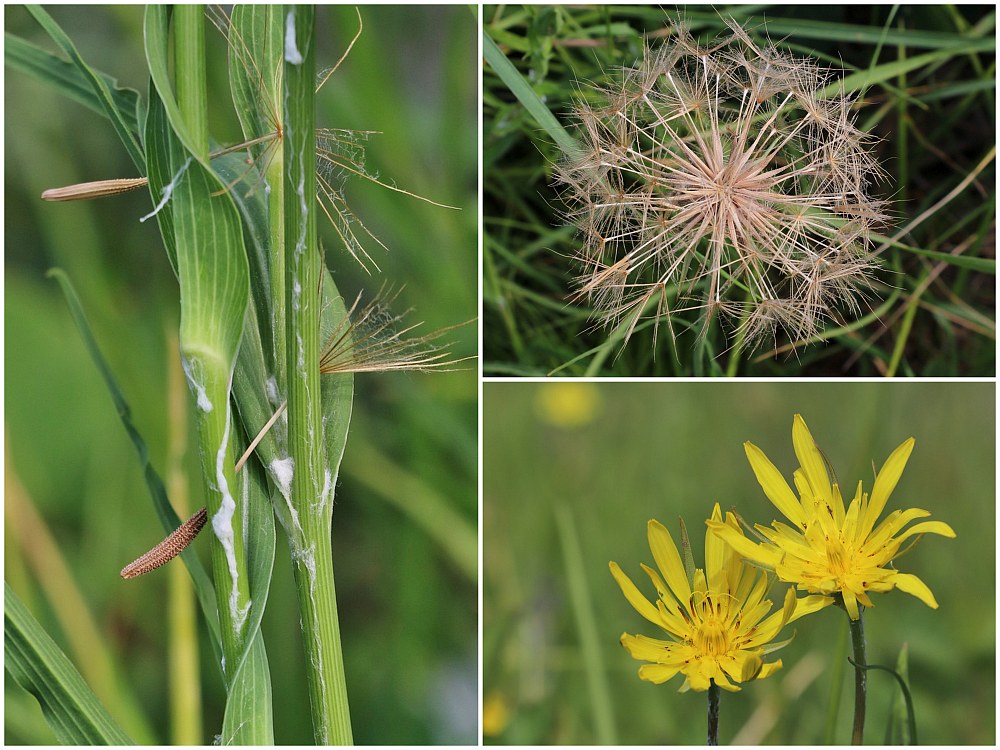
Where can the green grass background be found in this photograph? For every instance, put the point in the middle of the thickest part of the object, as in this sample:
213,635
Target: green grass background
934,125
671,449
408,613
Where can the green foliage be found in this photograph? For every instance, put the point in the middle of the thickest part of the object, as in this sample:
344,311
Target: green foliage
926,79
40,667
424,428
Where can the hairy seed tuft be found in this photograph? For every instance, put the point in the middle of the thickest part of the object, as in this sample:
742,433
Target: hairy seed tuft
723,179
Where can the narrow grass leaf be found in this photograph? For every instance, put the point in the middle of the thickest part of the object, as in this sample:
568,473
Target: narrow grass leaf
856,34
30,533
213,274
521,89
837,660
123,124
982,265
39,666
337,390
156,37
601,704
864,79
248,195
169,519
902,722
68,79
255,46
248,717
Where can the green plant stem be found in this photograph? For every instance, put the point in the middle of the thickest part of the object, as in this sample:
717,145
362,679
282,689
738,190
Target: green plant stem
312,484
192,93
714,693
184,683
590,644
208,368
321,631
276,222
860,676
836,685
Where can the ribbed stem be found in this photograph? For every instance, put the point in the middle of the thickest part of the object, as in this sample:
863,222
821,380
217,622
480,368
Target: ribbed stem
209,374
714,694
321,631
312,483
184,682
860,676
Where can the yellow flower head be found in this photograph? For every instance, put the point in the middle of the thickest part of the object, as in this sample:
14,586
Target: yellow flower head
568,405
719,623
828,550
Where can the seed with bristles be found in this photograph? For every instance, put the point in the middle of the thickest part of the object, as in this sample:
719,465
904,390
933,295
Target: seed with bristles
169,548
727,178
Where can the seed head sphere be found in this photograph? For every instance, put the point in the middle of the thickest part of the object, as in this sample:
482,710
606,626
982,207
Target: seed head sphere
727,179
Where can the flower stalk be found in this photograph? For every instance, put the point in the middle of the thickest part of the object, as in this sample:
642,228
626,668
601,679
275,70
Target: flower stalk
860,676
312,483
714,695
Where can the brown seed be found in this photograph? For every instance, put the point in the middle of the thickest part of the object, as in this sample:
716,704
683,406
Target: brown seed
169,548
87,190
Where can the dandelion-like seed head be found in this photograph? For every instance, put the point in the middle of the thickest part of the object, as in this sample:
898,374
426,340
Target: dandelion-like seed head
724,178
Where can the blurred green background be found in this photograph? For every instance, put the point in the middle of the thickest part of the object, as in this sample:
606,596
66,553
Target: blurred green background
408,608
663,450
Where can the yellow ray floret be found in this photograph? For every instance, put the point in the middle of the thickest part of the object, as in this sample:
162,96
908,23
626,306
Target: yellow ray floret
830,550
719,623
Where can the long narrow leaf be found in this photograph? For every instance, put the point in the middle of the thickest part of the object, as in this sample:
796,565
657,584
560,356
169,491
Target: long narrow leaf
599,690
983,265
527,96
157,490
863,79
68,80
99,86
213,273
157,35
39,666
248,719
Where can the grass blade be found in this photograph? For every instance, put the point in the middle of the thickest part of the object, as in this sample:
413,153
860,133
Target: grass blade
213,272
583,608
248,718
67,79
86,644
37,664
528,98
863,79
168,518
98,85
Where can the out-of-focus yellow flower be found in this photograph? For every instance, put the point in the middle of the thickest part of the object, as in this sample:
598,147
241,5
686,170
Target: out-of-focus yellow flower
719,622
829,550
568,405
496,714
